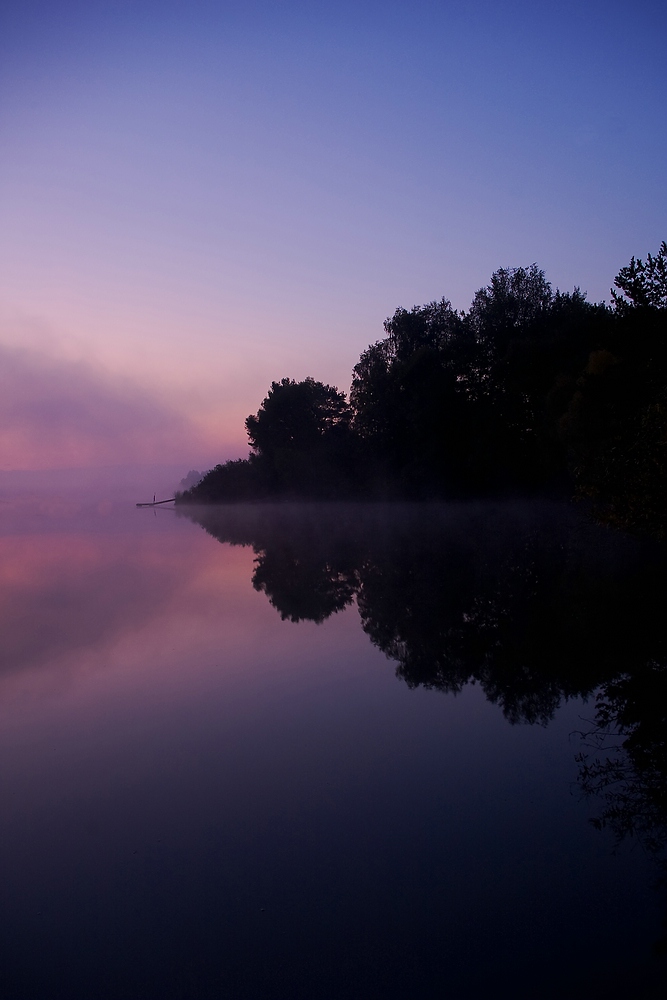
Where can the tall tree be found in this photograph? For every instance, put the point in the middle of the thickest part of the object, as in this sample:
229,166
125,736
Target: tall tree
408,399
642,283
301,438
297,415
615,422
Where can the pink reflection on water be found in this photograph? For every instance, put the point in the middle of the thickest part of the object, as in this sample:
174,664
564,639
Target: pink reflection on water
146,609
126,645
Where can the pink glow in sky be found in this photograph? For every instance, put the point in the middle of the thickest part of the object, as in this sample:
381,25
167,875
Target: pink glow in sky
196,199
56,412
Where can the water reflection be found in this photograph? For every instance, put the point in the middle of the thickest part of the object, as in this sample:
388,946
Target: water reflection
624,761
66,592
217,803
533,603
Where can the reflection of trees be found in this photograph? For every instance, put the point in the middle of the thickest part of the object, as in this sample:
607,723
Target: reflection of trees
302,587
624,763
623,766
532,615
530,603
306,571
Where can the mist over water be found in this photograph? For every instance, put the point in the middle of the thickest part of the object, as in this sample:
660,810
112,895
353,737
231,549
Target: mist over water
80,492
315,751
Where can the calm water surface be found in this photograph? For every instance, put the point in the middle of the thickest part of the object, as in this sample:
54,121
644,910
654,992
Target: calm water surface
322,753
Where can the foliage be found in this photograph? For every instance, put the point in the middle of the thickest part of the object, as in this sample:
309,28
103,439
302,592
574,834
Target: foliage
301,446
233,481
530,389
297,416
642,283
614,423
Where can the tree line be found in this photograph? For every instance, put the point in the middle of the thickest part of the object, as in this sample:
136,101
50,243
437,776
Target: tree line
529,389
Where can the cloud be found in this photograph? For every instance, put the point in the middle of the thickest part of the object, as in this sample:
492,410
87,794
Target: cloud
57,412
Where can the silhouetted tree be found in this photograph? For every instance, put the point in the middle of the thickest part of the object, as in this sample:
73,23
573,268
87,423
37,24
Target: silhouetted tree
302,446
452,401
642,283
614,421
529,387
410,407
236,480
301,436
297,415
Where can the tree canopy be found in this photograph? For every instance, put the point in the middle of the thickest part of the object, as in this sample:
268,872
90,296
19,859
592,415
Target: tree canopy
531,388
297,415
643,283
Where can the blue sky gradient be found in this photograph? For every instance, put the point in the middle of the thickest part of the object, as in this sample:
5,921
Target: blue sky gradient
203,197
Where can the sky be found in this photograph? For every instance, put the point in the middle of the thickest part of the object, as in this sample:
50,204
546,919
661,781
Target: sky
198,198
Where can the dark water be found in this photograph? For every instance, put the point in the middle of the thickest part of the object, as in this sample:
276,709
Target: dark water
326,752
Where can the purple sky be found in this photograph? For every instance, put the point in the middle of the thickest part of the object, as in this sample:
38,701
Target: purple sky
199,197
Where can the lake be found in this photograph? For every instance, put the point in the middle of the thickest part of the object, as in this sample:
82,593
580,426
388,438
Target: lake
327,752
